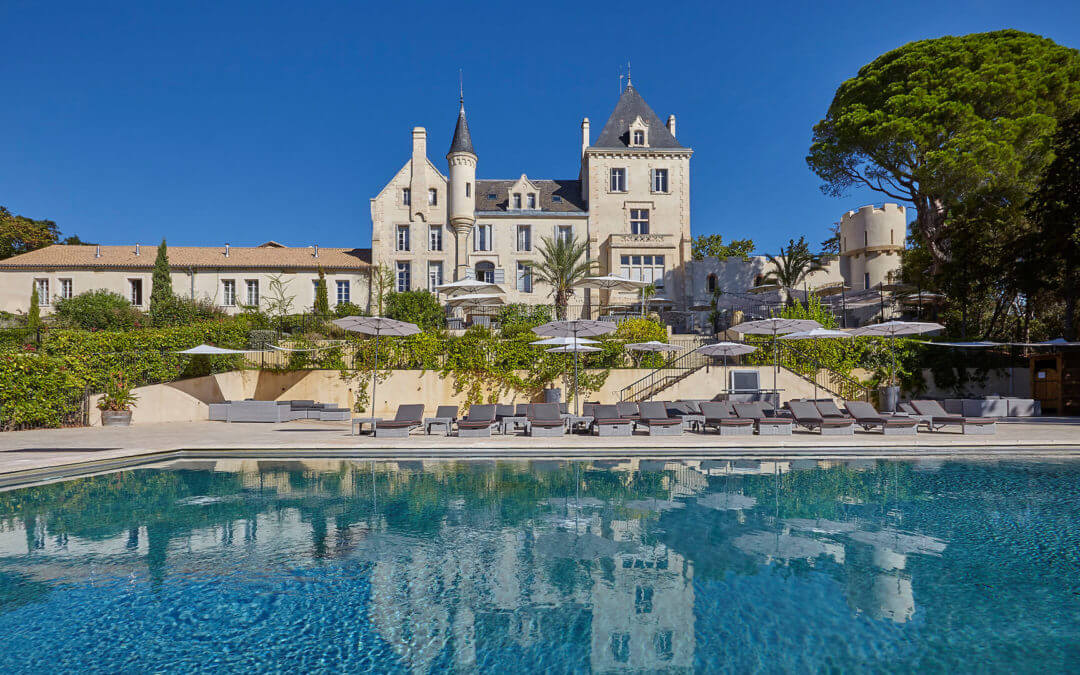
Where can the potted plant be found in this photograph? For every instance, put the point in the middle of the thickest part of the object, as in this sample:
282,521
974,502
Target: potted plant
115,404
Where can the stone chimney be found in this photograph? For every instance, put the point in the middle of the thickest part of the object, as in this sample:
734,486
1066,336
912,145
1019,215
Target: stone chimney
584,135
419,147
316,250
226,250
671,125
97,251
136,249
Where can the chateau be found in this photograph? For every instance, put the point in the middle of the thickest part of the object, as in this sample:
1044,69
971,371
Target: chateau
630,202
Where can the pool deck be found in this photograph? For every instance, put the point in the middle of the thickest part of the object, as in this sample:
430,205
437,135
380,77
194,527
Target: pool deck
29,456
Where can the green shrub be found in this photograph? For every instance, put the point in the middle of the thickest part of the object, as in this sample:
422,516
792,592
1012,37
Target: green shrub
178,311
98,310
419,307
517,318
343,309
261,338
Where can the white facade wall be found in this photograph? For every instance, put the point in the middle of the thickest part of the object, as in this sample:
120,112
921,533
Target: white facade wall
16,285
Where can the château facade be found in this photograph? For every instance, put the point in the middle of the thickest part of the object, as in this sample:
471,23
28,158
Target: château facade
630,203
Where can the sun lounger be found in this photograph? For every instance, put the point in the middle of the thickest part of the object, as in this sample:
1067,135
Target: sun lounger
766,426
409,416
478,423
606,421
827,408
655,419
891,425
690,419
720,415
806,415
545,420
445,416
628,410
939,419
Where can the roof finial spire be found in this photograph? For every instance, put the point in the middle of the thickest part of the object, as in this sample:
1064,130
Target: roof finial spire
461,87
628,83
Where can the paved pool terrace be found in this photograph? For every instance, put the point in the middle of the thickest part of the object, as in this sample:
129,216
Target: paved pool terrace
44,454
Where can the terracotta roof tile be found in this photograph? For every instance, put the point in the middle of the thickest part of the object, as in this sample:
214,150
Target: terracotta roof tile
123,257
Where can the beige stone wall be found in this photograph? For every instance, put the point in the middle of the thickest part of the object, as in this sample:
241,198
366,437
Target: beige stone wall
15,286
871,242
187,400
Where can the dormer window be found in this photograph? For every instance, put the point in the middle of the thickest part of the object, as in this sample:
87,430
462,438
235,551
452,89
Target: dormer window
517,201
531,201
639,133
639,137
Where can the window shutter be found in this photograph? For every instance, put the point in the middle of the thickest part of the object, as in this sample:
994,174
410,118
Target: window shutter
491,237
470,273
475,237
500,275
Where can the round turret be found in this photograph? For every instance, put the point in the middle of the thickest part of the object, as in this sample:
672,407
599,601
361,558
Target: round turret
461,162
871,241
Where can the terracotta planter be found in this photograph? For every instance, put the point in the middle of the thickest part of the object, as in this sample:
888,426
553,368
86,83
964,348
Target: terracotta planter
115,418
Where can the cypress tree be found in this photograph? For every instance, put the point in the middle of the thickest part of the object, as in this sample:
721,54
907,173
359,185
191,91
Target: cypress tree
322,303
161,291
33,317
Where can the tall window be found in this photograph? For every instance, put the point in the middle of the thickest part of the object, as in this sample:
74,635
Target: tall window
468,189
432,197
564,233
524,237
618,180
525,277
866,280
406,197
659,180
403,237
42,291
65,288
253,292
482,238
710,283
435,238
404,277
434,275
662,644
639,137
648,268
643,596
639,221
343,292
135,291
517,201
531,201
620,647
485,271
228,293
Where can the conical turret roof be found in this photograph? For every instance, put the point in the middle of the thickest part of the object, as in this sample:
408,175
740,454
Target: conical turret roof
631,106
462,140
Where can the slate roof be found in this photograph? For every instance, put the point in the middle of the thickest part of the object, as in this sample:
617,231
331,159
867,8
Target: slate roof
462,140
247,257
568,192
615,133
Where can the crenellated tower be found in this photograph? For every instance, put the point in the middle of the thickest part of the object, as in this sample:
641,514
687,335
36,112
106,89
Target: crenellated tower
461,161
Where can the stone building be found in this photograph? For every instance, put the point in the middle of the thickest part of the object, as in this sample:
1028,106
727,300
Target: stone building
630,202
230,276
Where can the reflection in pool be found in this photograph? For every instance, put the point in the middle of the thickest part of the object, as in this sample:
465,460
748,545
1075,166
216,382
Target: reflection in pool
673,566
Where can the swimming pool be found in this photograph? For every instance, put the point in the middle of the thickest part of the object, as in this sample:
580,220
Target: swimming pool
676,566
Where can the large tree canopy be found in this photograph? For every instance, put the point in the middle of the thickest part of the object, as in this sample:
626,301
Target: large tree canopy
19,234
939,121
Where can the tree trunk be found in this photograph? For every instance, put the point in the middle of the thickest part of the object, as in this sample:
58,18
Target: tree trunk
1069,320
930,218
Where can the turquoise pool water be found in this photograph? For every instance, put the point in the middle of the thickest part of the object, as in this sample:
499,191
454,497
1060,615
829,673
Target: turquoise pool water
655,566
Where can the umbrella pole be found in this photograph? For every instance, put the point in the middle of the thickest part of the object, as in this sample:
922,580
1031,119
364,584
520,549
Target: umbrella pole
375,378
575,372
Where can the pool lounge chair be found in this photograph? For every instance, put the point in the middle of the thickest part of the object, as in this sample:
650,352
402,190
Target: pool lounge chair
545,420
940,419
445,416
907,410
478,423
606,421
654,418
828,409
720,415
691,420
765,425
867,417
628,410
408,417
806,415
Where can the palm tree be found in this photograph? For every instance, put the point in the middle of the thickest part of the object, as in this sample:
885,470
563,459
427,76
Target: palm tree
793,266
563,263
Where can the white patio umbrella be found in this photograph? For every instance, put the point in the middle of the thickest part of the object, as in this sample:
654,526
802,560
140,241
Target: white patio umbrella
475,300
775,326
652,346
377,326
725,349
895,329
210,350
567,349
613,282
563,341
575,328
465,286
817,334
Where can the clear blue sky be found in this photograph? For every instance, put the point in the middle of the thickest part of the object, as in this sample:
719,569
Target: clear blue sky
242,122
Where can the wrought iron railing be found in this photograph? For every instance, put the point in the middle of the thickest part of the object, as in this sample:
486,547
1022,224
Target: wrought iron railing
673,370
803,364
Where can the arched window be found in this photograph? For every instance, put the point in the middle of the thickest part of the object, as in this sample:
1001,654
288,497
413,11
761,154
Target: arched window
710,283
758,279
485,271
